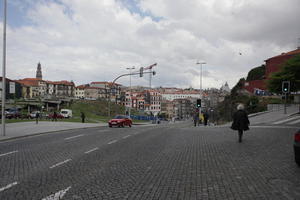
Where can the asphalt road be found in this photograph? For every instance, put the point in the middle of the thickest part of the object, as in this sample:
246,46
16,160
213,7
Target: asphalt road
171,161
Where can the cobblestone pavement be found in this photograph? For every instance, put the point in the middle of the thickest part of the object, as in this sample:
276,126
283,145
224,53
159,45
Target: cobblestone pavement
174,161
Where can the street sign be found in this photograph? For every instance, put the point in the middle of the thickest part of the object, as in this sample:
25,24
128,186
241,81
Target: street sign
12,87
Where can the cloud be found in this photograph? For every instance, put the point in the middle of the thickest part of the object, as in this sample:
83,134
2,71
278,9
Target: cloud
96,41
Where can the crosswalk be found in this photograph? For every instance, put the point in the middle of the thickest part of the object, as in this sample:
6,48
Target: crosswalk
289,121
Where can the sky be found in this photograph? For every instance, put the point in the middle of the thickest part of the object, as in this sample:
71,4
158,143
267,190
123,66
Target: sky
96,40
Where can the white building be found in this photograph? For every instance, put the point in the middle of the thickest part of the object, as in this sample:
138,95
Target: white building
79,92
170,96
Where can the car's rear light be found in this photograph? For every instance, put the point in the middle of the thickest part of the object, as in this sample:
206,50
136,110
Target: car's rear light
297,137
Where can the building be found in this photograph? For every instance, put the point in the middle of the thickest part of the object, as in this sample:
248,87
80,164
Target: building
13,89
183,94
273,64
110,90
79,92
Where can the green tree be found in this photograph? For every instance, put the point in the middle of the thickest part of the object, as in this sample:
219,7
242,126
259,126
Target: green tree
290,71
257,73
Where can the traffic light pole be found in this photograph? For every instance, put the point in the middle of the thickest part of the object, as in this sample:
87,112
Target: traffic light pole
113,83
285,97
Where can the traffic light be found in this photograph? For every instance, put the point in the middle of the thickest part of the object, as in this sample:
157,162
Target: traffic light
285,86
141,71
198,103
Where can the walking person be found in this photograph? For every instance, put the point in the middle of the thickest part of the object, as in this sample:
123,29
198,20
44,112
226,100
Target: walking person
196,118
82,117
205,118
240,121
37,115
54,116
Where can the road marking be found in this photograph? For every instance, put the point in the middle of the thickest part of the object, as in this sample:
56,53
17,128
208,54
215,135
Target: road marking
126,136
73,137
111,142
8,186
295,122
94,149
286,120
58,195
61,163
5,154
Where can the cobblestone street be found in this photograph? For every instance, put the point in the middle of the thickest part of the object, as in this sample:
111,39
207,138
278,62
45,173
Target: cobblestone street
175,161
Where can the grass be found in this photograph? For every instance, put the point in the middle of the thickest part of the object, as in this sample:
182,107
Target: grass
95,112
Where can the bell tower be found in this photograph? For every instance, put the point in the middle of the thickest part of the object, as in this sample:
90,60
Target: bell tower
39,71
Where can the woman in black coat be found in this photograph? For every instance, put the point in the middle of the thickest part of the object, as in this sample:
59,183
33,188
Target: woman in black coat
240,121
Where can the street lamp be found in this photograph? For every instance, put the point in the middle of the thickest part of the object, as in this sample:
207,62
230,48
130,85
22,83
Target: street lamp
130,68
4,68
201,94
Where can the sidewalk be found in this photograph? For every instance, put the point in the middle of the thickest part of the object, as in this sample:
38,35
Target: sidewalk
23,129
272,116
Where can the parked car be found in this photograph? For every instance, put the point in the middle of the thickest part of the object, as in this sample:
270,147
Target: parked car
120,121
32,115
297,147
12,113
67,113
58,116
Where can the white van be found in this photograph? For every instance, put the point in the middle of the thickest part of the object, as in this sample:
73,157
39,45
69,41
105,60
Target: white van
67,113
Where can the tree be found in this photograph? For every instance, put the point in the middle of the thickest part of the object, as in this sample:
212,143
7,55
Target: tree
290,71
257,73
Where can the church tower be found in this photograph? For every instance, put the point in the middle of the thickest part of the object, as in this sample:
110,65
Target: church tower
39,71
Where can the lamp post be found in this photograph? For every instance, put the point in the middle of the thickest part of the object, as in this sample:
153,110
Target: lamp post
130,68
201,94
4,68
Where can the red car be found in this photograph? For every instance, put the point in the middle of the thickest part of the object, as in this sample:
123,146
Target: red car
120,121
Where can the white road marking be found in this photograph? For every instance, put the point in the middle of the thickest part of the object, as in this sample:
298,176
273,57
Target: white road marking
8,153
295,122
111,142
126,136
94,149
73,137
286,120
8,186
61,163
58,195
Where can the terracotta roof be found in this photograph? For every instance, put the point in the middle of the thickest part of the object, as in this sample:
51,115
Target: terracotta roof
32,79
89,87
63,83
294,52
81,86
29,82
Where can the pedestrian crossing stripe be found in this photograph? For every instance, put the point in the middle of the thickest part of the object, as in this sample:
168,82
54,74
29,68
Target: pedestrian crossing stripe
287,120
294,122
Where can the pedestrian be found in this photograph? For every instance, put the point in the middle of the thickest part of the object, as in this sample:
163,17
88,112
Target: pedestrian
205,118
37,115
196,118
54,116
82,117
240,121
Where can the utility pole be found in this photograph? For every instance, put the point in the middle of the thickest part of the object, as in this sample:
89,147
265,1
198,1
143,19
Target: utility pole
130,68
4,68
201,93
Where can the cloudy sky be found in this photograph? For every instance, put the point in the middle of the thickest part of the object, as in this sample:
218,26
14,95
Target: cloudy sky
96,40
